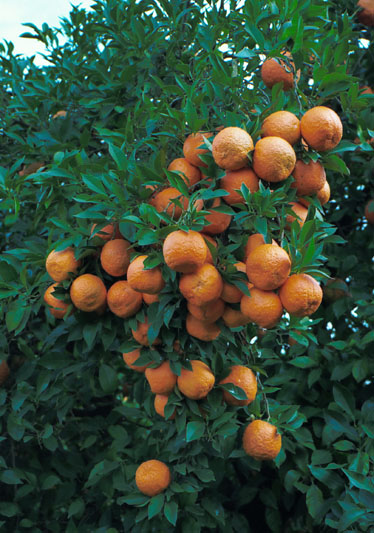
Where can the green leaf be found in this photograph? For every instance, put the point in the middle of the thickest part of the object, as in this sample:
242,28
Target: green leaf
76,507
315,502
194,431
171,512
108,378
155,505
303,362
236,391
10,478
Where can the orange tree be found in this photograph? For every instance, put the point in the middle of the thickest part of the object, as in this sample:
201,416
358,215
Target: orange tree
167,363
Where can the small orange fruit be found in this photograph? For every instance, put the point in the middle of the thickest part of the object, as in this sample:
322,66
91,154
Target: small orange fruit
365,89
209,256
204,331
162,379
369,211
301,295
108,232
149,281
57,307
264,308
150,298
273,159
230,148
152,477
301,213
159,403
162,201
62,113
323,195
232,182
261,440
184,251
309,177
278,71
190,174
195,384
254,240
123,301
191,150
234,318
209,312
268,266
217,222
202,286
141,334
321,128
115,257
231,293
4,372
60,265
130,359
242,377
282,124
88,293
366,14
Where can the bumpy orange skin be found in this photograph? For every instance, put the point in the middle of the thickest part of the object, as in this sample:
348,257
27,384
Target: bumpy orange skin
88,293
277,71
191,150
264,308
57,307
122,300
162,379
321,128
282,124
242,377
309,177
366,15
141,334
234,318
230,148
273,159
300,210
184,251
261,440
301,295
150,298
159,403
209,312
115,257
152,477
369,211
162,202
202,286
254,240
268,266
232,182
131,357
188,172
149,281
216,222
196,383
209,256
231,293
204,331
59,265
4,372
108,232
323,195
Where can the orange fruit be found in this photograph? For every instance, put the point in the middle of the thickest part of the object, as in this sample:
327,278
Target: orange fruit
232,182
273,159
323,195
242,377
149,281
162,379
88,293
190,174
209,312
209,256
150,298
159,403
230,148
191,150
335,289
152,477
230,293
234,318
130,359
309,177
4,372
264,308
204,331
184,251
195,384
162,201
141,334
254,240
278,71
282,124
31,168
60,265
57,307
202,286
62,113
115,257
122,300
366,14
108,232
268,266
321,128
301,213
369,211
301,295
217,222
261,440
365,89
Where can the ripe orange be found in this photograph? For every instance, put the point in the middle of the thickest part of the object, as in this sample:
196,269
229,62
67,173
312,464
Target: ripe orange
88,293
261,440
282,124
230,148
209,312
273,159
309,177
209,256
217,222
335,289
115,257
196,383
232,182
323,195
278,71
191,150
254,240
264,308
150,298
234,318
4,372
123,301
369,211
365,89
268,266
301,213
162,201
204,331
202,286
60,265
149,281
190,174
31,168
159,403
108,232
366,14
141,334
162,379
62,113
152,477
321,128
230,293
242,377
57,307
184,251
301,295
130,359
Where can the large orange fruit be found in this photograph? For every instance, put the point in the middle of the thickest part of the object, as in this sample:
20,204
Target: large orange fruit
141,334
195,384
88,293
216,222
160,402
115,257
369,211
273,159
152,477
261,440
162,201
264,308
60,265
192,150
301,295
242,377
209,312
309,177
162,379
268,266
232,182
184,251
190,174
130,359
234,318
230,148
321,128
57,307
108,232
202,286
282,124
231,293
140,279
366,14
204,331
278,71
301,213
122,300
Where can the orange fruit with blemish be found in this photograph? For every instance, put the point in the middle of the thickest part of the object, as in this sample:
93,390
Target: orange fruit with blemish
141,334
273,159
192,150
115,257
60,265
254,240
279,71
210,312
150,298
209,256
196,384
57,308
202,286
88,293
231,147
231,293
300,214
242,377
144,280
234,318
217,222
204,331
268,266
162,201
321,128
160,402
261,440
130,359
282,124
308,177
152,477
162,379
